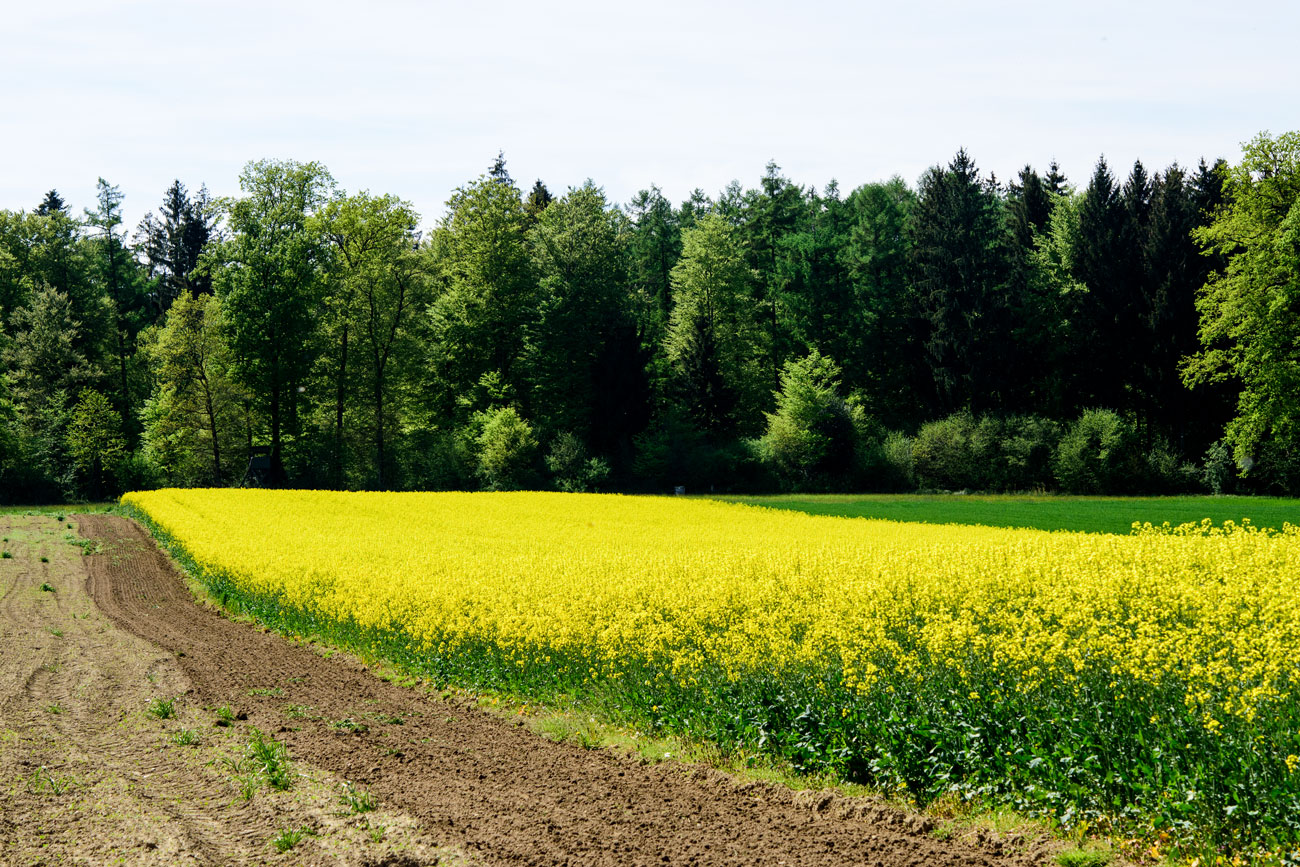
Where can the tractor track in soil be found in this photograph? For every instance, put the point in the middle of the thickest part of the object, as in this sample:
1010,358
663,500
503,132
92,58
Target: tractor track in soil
473,787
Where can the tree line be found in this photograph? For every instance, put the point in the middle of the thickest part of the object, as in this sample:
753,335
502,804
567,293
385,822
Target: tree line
1135,332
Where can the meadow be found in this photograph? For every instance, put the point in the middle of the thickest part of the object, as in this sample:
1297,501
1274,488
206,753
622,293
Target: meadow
1039,511
1142,684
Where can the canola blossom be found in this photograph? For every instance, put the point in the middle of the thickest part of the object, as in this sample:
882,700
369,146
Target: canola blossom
1089,676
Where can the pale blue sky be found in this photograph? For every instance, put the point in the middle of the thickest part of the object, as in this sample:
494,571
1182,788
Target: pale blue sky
416,98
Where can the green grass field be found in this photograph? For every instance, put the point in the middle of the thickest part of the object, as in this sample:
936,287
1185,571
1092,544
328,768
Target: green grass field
1045,512
68,509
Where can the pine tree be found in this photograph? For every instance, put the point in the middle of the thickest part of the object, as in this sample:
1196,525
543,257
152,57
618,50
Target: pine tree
172,244
52,203
120,281
962,273
1029,206
539,198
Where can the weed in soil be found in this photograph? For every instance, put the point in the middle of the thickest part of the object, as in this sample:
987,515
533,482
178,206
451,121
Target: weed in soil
1084,857
356,800
42,781
347,724
162,708
185,738
46,586
299,711
290,837
271,760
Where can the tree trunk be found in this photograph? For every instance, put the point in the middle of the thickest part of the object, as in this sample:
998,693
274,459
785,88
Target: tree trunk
338,410
276,471
212,425
379,429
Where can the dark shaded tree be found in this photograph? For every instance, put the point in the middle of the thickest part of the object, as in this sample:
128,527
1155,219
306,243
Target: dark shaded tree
120,282
172,243
539,199
962,272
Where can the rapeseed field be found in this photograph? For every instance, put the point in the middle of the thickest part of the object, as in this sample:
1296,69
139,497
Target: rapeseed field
1145,684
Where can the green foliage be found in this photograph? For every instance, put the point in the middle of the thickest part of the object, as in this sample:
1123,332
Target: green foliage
812,437
657,334
290,837
505,448
713,339
966,294
269,274
1250,311
1084,857
185,737
172,243
676,452
1099,454
947,454
195,419
95,442
270,760
991,453
45,368
162,708
437,460
897,467
871,335
120,282
356,800
573,470
1167,473
381,284
485,292
654,244
578,257
1219,467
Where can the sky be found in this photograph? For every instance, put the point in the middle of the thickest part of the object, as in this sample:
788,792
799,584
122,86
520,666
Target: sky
417,98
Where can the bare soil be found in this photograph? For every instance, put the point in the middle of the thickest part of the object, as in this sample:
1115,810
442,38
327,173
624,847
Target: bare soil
102,780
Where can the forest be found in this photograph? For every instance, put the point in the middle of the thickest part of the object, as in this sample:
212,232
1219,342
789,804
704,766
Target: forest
1137,331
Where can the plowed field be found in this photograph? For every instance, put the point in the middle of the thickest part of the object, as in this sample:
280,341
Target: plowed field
92,771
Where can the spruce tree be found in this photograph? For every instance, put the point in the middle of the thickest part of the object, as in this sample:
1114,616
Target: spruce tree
962,272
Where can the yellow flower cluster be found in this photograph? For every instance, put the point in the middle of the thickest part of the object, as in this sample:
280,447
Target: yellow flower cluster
689,587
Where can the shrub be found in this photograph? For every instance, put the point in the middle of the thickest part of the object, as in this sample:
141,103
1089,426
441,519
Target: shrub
989,453
898,471
436,460
573,470
135,472
1099,454
812,437
674,451
1275,469
1168,473
1218,469
94,441
1027,444
945,455
506,449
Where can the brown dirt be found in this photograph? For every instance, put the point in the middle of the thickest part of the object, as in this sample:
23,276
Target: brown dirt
463,785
